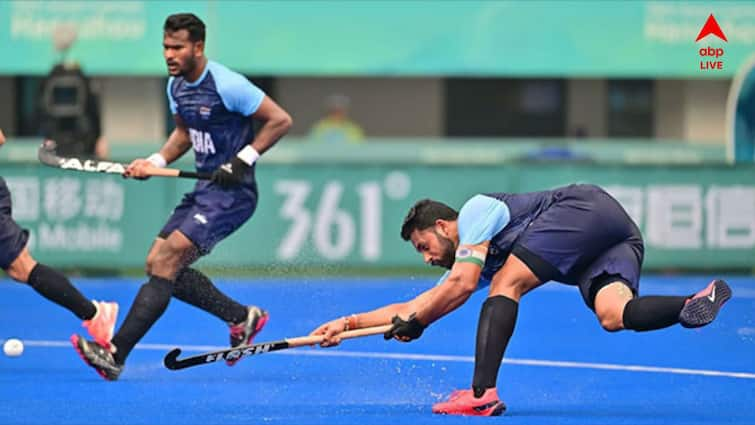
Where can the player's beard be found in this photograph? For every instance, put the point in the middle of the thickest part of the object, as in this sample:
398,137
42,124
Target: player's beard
449,252
188,67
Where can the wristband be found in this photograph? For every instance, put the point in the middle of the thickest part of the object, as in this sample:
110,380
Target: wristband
157,160
249,155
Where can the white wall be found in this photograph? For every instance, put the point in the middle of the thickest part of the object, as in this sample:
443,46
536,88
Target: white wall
384,107
705,110
691,110
669,109
133,109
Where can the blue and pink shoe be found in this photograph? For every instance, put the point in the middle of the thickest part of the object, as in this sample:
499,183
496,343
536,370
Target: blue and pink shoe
243,333
464,403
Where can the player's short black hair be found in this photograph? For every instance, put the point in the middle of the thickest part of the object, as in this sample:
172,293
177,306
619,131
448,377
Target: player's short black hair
423,215
186,21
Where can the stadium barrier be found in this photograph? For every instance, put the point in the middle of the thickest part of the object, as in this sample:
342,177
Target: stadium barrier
349,214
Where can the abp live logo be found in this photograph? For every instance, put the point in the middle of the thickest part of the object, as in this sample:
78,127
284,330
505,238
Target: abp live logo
711,27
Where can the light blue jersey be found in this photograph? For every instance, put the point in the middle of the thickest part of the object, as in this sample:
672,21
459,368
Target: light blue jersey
499,218
480,219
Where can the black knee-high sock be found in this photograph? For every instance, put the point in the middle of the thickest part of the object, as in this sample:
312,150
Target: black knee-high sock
652,312
52,285
497,320
193,287
149,305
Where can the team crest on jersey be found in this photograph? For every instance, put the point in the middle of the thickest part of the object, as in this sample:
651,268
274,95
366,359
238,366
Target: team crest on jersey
204,111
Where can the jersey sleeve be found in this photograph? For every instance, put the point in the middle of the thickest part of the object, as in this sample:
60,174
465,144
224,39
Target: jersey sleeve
481,218
171,102
238,93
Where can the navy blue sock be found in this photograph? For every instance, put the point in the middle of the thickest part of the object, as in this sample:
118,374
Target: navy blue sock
52,285
497,320
194,288
149,305
652,312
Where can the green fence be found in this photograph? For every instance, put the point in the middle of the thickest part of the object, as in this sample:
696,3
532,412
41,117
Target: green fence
349,215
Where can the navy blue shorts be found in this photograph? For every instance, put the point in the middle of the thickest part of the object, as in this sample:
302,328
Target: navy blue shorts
209,214
13,238
585,238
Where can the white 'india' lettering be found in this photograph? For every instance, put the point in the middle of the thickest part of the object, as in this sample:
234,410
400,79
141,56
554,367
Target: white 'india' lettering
202,141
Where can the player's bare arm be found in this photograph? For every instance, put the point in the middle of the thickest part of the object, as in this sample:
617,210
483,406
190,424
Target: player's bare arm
424,309
381,316
448,296
377,317
277,123
457,288
178,143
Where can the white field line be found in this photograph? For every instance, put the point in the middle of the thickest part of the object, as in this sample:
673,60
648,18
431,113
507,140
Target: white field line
432,358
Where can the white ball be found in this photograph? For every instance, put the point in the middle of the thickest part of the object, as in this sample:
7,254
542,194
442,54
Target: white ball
13,347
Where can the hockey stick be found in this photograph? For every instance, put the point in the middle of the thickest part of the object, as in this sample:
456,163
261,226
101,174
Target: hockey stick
48,156
172,362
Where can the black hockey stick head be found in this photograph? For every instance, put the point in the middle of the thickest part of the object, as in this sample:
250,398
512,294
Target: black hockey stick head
172,362
48,155
171,359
